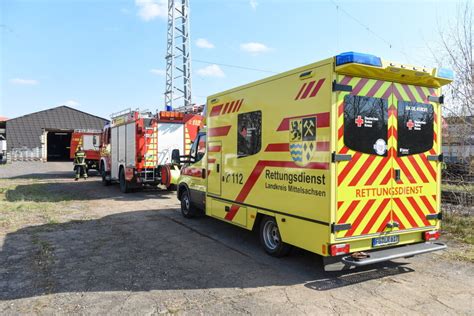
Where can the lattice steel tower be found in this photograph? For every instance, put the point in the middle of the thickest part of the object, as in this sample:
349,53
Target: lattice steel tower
178,56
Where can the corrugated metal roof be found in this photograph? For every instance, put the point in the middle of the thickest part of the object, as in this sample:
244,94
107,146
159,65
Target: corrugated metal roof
25,131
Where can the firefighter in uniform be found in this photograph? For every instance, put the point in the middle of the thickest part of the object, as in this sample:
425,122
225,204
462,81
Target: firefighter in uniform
80,163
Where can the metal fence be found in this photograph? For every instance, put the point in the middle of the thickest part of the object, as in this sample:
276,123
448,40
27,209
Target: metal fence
457,189
24,154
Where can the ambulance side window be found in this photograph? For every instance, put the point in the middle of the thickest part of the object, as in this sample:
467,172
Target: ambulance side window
201,147
249,133
366,124
198,149
415,128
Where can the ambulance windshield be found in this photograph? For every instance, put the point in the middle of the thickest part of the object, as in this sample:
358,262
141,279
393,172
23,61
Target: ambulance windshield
415,128
366,124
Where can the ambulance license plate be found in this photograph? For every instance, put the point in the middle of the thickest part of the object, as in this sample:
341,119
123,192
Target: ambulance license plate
385,240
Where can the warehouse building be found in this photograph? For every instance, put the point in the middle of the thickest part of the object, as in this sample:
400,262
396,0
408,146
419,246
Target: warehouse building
46,135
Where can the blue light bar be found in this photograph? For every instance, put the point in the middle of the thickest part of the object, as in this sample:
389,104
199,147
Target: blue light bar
358,58
445,73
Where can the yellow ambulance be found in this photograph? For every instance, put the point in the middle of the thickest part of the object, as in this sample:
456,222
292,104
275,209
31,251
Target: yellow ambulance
341,157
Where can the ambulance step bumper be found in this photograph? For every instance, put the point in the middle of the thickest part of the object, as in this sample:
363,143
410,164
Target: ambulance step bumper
394,253
376,256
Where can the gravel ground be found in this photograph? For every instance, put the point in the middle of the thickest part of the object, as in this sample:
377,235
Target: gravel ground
110,253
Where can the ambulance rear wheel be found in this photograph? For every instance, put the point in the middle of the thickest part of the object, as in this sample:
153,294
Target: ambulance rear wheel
187,208
270,238
124,185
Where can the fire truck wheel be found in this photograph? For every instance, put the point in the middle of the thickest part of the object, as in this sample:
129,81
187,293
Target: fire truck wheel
103,173
187,209
124,185
270,238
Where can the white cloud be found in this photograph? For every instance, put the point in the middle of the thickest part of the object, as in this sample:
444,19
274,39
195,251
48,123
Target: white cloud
24,81
211,71
204,43
253,4
159,72
254,48
71,103
150,9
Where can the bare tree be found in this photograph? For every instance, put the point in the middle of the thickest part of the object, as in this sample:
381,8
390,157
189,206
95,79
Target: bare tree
455,51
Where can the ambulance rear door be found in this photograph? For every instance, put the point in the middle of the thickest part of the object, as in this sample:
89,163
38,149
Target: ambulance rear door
364,156
417,166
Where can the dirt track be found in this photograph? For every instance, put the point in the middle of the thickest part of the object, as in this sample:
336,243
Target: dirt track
104,252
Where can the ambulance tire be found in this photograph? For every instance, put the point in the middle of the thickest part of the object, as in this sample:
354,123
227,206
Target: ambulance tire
124,185
187,208
270,238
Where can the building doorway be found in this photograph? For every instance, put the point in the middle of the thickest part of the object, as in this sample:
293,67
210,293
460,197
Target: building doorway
58,146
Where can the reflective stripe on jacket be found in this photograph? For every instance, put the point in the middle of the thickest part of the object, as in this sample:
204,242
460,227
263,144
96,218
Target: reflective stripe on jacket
80,158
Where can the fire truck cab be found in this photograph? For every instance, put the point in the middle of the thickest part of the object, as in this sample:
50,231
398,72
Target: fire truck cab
341,157
90,141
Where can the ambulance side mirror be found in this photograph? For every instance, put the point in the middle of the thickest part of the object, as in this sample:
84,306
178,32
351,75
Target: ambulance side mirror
175,156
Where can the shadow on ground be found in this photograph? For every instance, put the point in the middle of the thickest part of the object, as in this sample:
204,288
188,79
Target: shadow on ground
48,175
151,250
90,189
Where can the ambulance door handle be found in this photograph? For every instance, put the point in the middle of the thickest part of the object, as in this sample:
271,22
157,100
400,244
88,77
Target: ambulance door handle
397,174
217,167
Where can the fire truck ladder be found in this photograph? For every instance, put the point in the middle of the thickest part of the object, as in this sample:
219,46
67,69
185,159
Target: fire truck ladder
150,145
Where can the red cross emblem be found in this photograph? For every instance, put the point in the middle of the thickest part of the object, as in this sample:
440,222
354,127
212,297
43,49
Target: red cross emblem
410,124
359,121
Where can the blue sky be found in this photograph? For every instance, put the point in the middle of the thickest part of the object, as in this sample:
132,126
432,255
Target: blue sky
106,55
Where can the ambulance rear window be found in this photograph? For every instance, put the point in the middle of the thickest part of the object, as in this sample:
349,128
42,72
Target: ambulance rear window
366,124
249,133
415,128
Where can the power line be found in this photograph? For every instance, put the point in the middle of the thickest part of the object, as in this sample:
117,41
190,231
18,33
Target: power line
233,66
368,29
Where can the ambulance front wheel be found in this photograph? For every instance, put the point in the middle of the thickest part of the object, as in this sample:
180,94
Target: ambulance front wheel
187,208
270,238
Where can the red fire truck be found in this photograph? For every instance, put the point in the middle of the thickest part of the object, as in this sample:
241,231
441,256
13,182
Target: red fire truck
89,140
136,147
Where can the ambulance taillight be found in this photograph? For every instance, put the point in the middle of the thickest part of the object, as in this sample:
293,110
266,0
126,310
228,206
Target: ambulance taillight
340,249
433,235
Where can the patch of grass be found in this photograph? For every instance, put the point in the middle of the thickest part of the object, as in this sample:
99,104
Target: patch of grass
40,192
25,203
459,226
458,187
43,260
